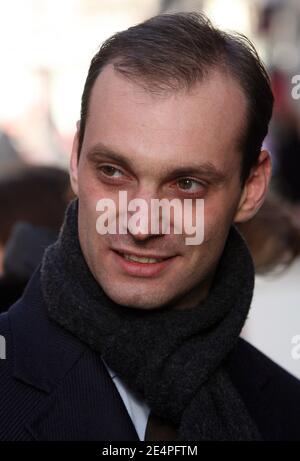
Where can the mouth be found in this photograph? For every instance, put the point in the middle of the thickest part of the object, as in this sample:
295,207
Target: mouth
142,265
141,259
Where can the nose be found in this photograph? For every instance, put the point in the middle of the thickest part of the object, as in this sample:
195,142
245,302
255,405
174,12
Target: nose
140,226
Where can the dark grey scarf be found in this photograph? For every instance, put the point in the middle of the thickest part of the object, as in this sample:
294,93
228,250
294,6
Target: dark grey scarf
172,359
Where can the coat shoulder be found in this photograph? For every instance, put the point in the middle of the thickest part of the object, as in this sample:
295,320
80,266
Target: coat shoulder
53,387
252,361
271,394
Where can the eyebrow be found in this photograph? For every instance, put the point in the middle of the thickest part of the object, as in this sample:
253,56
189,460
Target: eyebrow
101,152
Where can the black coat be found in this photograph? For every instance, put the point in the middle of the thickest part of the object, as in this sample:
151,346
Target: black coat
54,387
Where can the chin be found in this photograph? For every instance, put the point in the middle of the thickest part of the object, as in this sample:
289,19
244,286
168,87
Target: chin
134,300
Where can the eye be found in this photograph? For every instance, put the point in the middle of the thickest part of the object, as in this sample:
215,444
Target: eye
190,185
111,171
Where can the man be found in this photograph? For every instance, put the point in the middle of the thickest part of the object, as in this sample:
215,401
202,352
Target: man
135,335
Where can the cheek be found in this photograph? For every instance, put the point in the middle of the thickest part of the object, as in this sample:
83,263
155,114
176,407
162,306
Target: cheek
89,192
88,197
87,185
220,209
91,189
204,257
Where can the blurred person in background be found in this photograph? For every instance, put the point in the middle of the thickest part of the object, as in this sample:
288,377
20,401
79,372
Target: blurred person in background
286,141
10,159
33,200
273,236
137,336
278,26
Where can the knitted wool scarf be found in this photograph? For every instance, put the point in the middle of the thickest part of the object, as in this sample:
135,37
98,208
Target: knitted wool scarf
173,359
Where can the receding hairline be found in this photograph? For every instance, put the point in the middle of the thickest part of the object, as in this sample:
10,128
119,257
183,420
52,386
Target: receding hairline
164,92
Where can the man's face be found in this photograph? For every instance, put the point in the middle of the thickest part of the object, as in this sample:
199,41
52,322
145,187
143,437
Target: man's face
178,145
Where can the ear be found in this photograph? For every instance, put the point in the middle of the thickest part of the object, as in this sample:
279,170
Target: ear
74,160
255,188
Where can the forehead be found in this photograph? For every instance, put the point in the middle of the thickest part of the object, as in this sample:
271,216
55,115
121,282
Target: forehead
203,123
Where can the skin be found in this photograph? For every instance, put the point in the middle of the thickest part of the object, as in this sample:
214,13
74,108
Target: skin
156,135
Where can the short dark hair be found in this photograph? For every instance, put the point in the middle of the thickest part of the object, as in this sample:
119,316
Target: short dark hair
174,51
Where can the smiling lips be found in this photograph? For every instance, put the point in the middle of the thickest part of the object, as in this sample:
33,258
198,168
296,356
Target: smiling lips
141,266
142,260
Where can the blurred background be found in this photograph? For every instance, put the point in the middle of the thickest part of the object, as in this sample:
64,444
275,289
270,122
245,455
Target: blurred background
45,50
